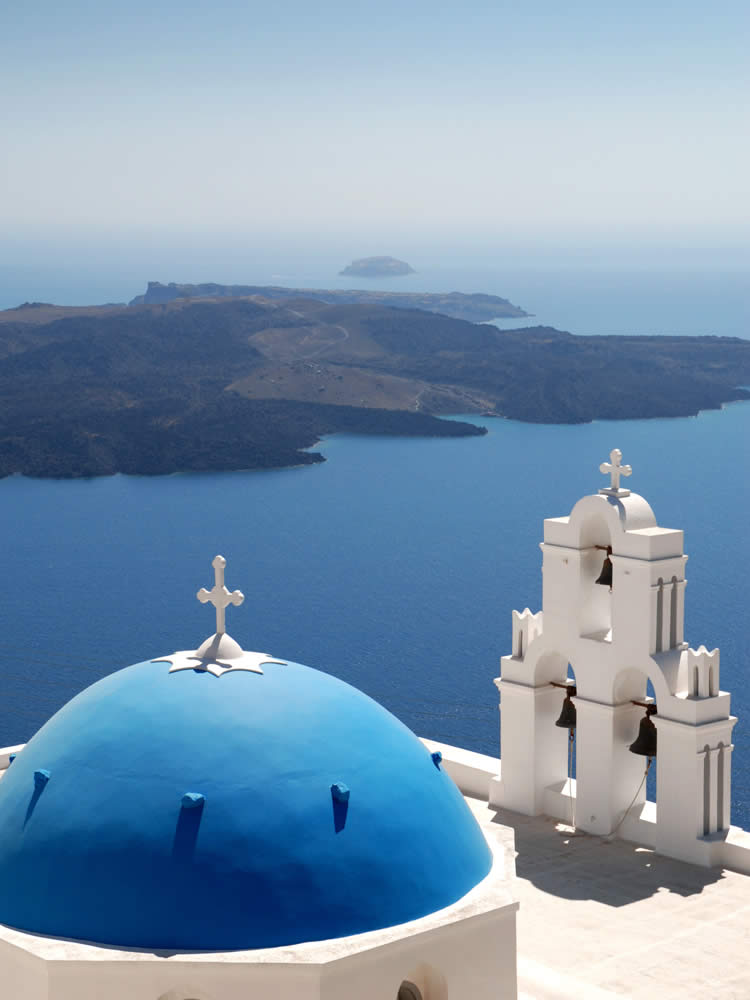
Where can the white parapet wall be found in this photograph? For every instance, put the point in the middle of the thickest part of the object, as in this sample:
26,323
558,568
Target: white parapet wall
7,752
471,771
477,775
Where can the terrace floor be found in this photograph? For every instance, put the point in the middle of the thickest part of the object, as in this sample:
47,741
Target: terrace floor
602,919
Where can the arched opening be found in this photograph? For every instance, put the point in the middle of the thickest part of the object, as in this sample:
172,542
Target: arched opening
572,783
558,727
596,580
408,991
423,983
635,773
566,716
651,777
550,667
534,749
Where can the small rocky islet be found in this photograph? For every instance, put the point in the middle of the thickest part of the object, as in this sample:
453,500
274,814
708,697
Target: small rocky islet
377,267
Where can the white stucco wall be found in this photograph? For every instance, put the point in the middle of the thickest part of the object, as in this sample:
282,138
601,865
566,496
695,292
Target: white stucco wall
473,957
616,639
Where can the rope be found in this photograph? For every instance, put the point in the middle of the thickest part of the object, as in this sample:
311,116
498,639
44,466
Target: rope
632,801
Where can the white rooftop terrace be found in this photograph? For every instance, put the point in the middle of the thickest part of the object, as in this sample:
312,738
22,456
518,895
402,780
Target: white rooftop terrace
602,919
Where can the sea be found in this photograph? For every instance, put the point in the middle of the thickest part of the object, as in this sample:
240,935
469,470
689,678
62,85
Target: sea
395,564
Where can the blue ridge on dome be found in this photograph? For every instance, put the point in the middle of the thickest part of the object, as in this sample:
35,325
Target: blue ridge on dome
188,811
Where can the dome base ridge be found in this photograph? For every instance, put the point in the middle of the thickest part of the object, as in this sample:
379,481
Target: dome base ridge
218,655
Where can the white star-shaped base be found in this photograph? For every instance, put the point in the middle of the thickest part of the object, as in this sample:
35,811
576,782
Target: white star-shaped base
218,655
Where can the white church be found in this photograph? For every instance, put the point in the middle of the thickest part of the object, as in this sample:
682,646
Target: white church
217,824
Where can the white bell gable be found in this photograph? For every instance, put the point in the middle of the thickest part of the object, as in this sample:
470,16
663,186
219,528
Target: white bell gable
615,640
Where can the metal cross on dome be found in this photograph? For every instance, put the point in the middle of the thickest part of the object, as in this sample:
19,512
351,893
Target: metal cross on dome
219,596
614,468
219,654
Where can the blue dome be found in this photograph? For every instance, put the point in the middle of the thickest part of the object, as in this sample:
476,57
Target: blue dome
187,811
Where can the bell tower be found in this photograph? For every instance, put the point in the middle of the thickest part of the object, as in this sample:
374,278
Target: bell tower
613,610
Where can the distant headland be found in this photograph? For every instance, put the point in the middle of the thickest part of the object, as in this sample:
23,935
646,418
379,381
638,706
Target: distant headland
377,267
476,307
206,378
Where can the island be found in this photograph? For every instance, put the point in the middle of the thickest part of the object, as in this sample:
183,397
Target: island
377,267
476,307
248,382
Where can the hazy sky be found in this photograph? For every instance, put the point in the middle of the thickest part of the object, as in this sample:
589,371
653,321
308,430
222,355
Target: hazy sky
299,117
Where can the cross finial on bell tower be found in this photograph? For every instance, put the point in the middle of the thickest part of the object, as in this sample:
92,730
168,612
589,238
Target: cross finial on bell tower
219,596
614,469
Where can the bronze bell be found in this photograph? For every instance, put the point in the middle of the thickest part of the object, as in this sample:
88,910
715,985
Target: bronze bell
605,577
645,743
567,718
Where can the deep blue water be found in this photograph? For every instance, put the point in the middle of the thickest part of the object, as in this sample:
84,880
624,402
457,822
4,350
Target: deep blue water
593,301
394,565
